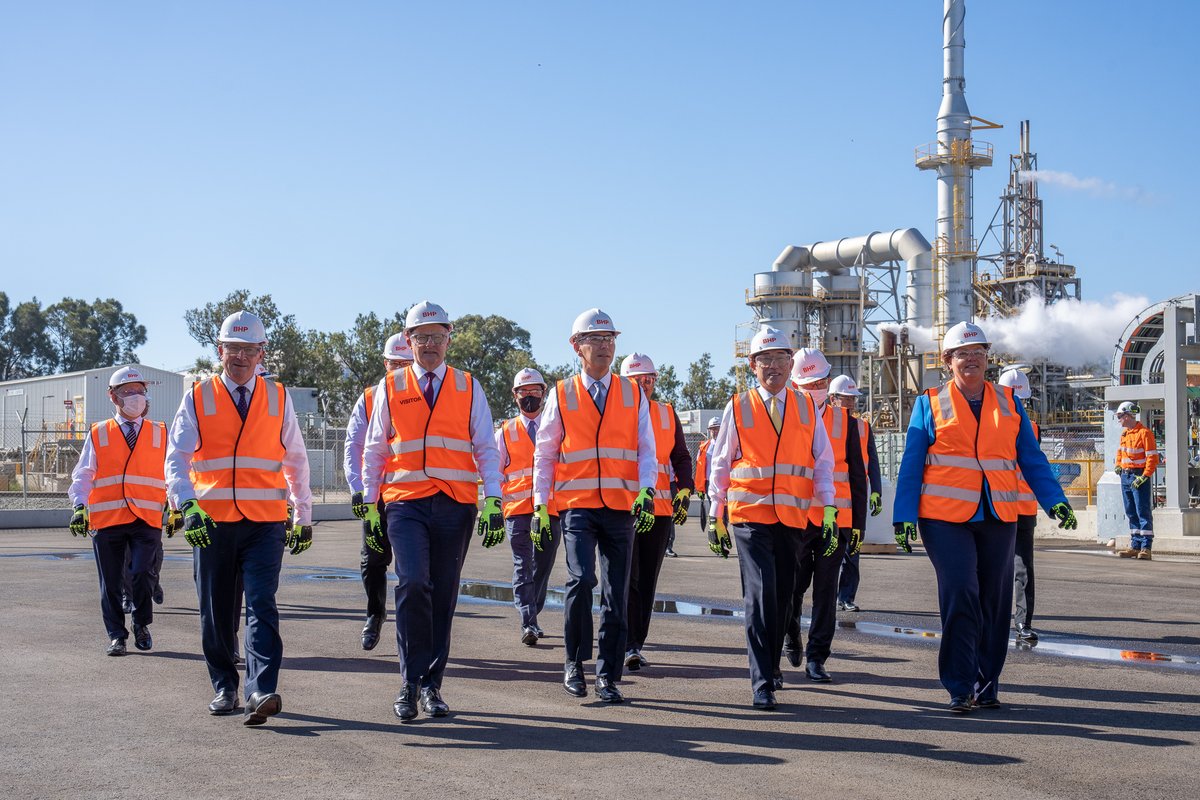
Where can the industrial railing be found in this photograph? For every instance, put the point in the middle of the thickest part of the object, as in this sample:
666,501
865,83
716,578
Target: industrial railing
1078,476
798,292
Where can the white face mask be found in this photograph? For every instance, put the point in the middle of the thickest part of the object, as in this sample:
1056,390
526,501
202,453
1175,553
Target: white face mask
818,395
134,405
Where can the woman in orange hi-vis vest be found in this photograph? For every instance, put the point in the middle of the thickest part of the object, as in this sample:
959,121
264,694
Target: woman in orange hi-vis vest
119,492
969,443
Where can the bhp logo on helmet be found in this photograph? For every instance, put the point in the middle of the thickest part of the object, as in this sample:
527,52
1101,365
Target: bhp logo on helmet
768,340
240,328
603,322
429,314
809,368
970,335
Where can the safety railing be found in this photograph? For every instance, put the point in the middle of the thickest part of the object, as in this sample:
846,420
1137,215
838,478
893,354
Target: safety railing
1078,476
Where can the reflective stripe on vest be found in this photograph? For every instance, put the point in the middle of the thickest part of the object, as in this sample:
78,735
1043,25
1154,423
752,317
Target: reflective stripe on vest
128,486
1026,500
597,466
517,489
662,420
771,479
837,424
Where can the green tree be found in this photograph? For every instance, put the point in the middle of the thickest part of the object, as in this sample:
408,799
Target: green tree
703,389
666,388
493,349
84,335
287,352
357,355
24,349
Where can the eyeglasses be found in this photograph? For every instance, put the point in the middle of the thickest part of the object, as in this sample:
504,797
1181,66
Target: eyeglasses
973,352
596,339
428,338
243,352
530,391
773,361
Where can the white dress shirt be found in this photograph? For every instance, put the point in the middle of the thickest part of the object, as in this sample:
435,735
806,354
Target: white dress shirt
85,470
376,450
550,436
356,436
728,448
185,434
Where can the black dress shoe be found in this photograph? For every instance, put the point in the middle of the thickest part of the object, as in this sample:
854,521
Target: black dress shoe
261,705
987,701
573,679
815,671
432,704
607,691
370,631
141,637
791,649
633,661
764,699
126,604
225,702
642,662
157,595
529,636
777,680
406,702
961,705
670,553
116,647
237,654
537,631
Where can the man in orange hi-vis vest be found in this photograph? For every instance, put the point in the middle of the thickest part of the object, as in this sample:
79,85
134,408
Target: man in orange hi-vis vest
119,493
235,460
1137,459
428,445
595,455
701,479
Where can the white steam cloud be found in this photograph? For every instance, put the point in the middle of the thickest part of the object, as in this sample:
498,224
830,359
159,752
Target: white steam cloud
1096,187
1076,333
920,338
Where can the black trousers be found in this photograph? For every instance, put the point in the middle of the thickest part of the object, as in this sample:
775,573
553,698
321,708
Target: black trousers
155,570
649,549
110,545
1023,569
610,532
821,573
374,567
767,562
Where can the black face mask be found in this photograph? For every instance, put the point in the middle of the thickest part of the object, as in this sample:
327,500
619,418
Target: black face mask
530,404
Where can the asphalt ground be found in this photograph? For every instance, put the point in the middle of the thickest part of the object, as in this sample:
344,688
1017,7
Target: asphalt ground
80,724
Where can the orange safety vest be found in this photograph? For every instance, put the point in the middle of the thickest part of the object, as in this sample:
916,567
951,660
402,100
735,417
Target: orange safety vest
598,457
517,489
702,467
772,480
128,484
1026,500
431,449
662,420
237,469
966,451
864,441
837,422
1138,450
369,400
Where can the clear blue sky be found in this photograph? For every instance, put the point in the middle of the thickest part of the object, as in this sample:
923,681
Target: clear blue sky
533,159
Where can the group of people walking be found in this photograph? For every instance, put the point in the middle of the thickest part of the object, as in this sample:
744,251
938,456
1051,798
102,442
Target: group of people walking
592,465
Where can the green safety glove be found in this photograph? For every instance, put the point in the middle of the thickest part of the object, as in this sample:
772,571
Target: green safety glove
829,531
79,521
197,524
1139,480
680,506
300,539
172,521
540,532
905,532
1065,516
358,506
373,528
718,537
491,522
855,545
643,511
876,503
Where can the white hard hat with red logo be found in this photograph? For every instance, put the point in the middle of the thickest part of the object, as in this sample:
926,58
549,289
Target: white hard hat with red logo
592,321
808,365
844,384
242,326
637,364
427,313
769,338
397,348
125,375
715,422
528,377
964,334
1016,380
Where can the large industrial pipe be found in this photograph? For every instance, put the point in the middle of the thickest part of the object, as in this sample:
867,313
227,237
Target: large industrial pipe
955,212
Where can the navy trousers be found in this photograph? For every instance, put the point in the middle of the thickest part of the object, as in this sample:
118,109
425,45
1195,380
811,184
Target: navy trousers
1139,509
1023,569
974,566
374,568
253,550
155,570
429,539
531,567
821,573
142,542
848,582
649,549
767,562
586,531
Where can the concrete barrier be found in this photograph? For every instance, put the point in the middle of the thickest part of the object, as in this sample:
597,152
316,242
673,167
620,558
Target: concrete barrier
59,517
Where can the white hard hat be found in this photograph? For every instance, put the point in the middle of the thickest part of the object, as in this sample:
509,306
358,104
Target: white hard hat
259,369
1018,381
242,326
809,364
844,384
768,338
1128,408
592,321
637,364
963,334
125,375
528,377
715,422
426,313
397,348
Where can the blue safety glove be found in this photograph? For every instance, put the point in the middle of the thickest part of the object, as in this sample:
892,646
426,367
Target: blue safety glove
856,539
718,537
373,528
876,503
539,532
79,521
1139,480
643,511
680,506
357,506
906,532
172,521
829,530
197,524
491,522
1065,516
300,539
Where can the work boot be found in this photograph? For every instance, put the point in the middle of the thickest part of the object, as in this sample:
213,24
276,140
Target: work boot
1128,552
1144,555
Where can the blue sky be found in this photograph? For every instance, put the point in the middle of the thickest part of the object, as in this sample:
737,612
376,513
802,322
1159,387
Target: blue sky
533,159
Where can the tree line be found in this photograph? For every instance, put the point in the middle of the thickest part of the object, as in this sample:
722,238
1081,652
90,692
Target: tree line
68,336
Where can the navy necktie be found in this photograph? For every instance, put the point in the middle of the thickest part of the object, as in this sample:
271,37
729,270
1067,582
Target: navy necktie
130,434
597,392
533,430
243,403
428,391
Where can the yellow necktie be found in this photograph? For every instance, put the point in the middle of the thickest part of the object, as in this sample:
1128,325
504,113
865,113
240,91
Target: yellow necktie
776,420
